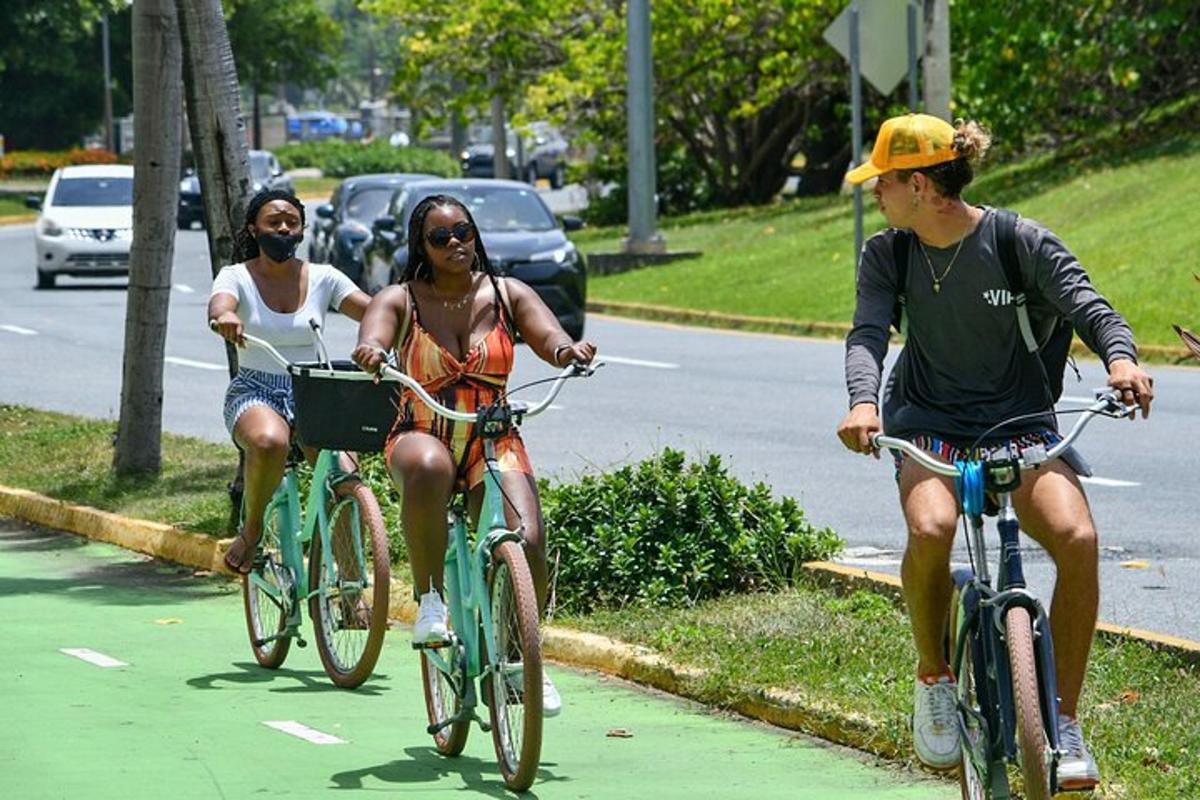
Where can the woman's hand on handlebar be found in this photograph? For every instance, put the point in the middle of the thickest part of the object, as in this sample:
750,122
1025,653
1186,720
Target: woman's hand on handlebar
229,327
577,353
370,358
857,427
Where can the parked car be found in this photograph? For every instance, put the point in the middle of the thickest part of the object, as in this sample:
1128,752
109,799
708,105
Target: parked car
342,229
309,125
523,239
86,223
542,154
265,173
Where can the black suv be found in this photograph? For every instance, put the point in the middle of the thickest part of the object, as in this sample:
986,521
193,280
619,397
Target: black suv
522,237
543,154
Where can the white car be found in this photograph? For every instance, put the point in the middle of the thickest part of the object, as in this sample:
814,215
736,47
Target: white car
86,223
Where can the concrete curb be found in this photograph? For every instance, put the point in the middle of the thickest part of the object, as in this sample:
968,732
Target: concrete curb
17,219
828,330
785,709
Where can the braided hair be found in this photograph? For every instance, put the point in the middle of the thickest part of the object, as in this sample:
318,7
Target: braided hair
418,265
244,246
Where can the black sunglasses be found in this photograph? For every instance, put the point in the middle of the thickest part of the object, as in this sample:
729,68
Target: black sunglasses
440,237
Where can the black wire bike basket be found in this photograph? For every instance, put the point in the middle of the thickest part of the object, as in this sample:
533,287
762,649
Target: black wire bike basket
340,407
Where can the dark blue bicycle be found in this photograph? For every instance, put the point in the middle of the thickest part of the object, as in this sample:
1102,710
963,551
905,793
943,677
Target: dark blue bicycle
999,647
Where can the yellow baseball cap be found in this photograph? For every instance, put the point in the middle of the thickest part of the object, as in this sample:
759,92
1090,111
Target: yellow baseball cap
908,142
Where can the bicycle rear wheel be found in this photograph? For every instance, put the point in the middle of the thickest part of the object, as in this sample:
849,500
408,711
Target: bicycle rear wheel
1032,743
442,702
350,619
972,780
268,608
514,684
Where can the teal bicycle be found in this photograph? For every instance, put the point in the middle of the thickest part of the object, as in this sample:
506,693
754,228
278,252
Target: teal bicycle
348,573
495,635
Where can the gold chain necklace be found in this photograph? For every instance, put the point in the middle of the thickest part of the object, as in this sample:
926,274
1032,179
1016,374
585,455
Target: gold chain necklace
460,303
937,282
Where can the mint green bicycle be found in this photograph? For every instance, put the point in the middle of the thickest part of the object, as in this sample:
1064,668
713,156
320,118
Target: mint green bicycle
495,633
347,578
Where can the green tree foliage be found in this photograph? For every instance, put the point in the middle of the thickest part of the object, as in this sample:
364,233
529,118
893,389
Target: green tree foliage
1043,73
282,41
51,70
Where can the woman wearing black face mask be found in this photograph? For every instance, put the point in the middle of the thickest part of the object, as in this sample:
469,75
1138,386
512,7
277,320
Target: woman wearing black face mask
271,295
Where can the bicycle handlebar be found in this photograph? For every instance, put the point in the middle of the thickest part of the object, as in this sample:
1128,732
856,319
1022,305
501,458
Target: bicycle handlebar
1107,404
257,342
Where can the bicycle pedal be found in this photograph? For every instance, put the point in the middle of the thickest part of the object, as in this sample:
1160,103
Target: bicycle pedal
300,642
431,645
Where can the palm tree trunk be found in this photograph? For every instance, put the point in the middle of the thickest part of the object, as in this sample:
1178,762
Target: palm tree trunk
158,131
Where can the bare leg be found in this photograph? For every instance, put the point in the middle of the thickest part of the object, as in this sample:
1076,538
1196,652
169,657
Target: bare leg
523,506
931,511
423,471
1054,511
263,435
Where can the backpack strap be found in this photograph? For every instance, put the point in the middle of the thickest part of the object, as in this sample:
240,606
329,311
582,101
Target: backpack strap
1006,248
901,244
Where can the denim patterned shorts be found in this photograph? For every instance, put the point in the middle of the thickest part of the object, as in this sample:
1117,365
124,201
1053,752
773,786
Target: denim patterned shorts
251,387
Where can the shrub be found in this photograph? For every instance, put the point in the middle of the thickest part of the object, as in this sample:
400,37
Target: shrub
666,533
36,163
340,159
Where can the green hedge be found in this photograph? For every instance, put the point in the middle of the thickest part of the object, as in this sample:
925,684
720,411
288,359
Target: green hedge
340,159
666,533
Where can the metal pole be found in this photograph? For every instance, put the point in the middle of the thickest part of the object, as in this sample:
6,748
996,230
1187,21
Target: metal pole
643,234
108,113
937,59
912,59
856,127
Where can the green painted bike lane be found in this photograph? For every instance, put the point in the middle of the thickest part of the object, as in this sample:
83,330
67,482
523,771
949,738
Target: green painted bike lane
185,717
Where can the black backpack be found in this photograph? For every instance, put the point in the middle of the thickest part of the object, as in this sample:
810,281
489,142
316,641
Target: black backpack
1052,347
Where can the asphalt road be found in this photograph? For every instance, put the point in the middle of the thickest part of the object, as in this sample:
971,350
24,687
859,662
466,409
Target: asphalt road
768,404
131,678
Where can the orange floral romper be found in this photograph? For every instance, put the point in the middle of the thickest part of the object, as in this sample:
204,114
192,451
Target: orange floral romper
464,386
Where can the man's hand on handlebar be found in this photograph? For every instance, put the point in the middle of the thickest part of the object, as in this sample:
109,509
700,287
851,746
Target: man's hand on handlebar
858,426
1132,383
229,327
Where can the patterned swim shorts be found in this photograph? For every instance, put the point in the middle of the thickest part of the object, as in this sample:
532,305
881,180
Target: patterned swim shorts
997,450
251,387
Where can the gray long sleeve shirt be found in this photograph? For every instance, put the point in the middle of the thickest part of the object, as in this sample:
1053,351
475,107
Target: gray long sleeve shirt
964,366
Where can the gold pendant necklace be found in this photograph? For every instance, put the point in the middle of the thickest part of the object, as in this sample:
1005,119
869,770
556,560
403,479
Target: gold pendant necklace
461,302
937,281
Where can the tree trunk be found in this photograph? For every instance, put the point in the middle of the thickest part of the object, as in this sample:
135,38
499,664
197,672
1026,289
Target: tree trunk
158,132
257,119
499,136
217,128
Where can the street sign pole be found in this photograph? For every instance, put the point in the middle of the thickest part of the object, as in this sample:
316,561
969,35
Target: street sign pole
643,212
912,59
109,139
856,127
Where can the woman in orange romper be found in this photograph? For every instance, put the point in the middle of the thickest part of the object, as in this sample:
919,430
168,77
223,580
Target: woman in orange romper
458,342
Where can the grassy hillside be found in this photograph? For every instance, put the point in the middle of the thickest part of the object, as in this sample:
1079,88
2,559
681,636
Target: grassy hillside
1130,219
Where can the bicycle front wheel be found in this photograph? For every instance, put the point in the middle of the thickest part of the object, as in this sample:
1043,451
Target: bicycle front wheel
267,596
350,586
973,767
514,684
443,700
1032,743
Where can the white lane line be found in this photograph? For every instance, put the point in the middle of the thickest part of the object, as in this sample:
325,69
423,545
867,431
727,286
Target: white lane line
187,362
92,657
18,330
1108,482
636,362
304,732
184,288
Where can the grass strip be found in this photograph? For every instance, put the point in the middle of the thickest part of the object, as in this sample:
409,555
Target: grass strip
1141,706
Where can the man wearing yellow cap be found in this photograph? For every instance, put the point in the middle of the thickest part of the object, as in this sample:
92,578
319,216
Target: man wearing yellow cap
963,368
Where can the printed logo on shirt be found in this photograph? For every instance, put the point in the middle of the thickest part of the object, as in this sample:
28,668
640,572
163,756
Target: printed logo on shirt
997,297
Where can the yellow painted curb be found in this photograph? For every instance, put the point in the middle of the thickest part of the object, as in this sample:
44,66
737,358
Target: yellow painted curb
17,219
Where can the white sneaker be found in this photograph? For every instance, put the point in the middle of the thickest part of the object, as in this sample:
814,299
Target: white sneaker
1077,769
551,702
935,723
430,626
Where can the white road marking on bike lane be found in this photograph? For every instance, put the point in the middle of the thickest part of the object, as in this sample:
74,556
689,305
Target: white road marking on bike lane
92,657
17,329
636,362
299,730
187,362
183,288
1108,482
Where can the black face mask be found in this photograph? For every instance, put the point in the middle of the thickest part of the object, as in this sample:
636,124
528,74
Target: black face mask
279,247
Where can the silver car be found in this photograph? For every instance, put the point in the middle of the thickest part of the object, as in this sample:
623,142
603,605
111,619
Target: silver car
86,223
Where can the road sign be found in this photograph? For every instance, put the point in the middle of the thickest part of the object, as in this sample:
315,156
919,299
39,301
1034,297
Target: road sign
883,38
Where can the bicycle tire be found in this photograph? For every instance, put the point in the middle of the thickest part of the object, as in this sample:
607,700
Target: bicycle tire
443,702
264,617
518,741
971,784
349,630
1031,732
